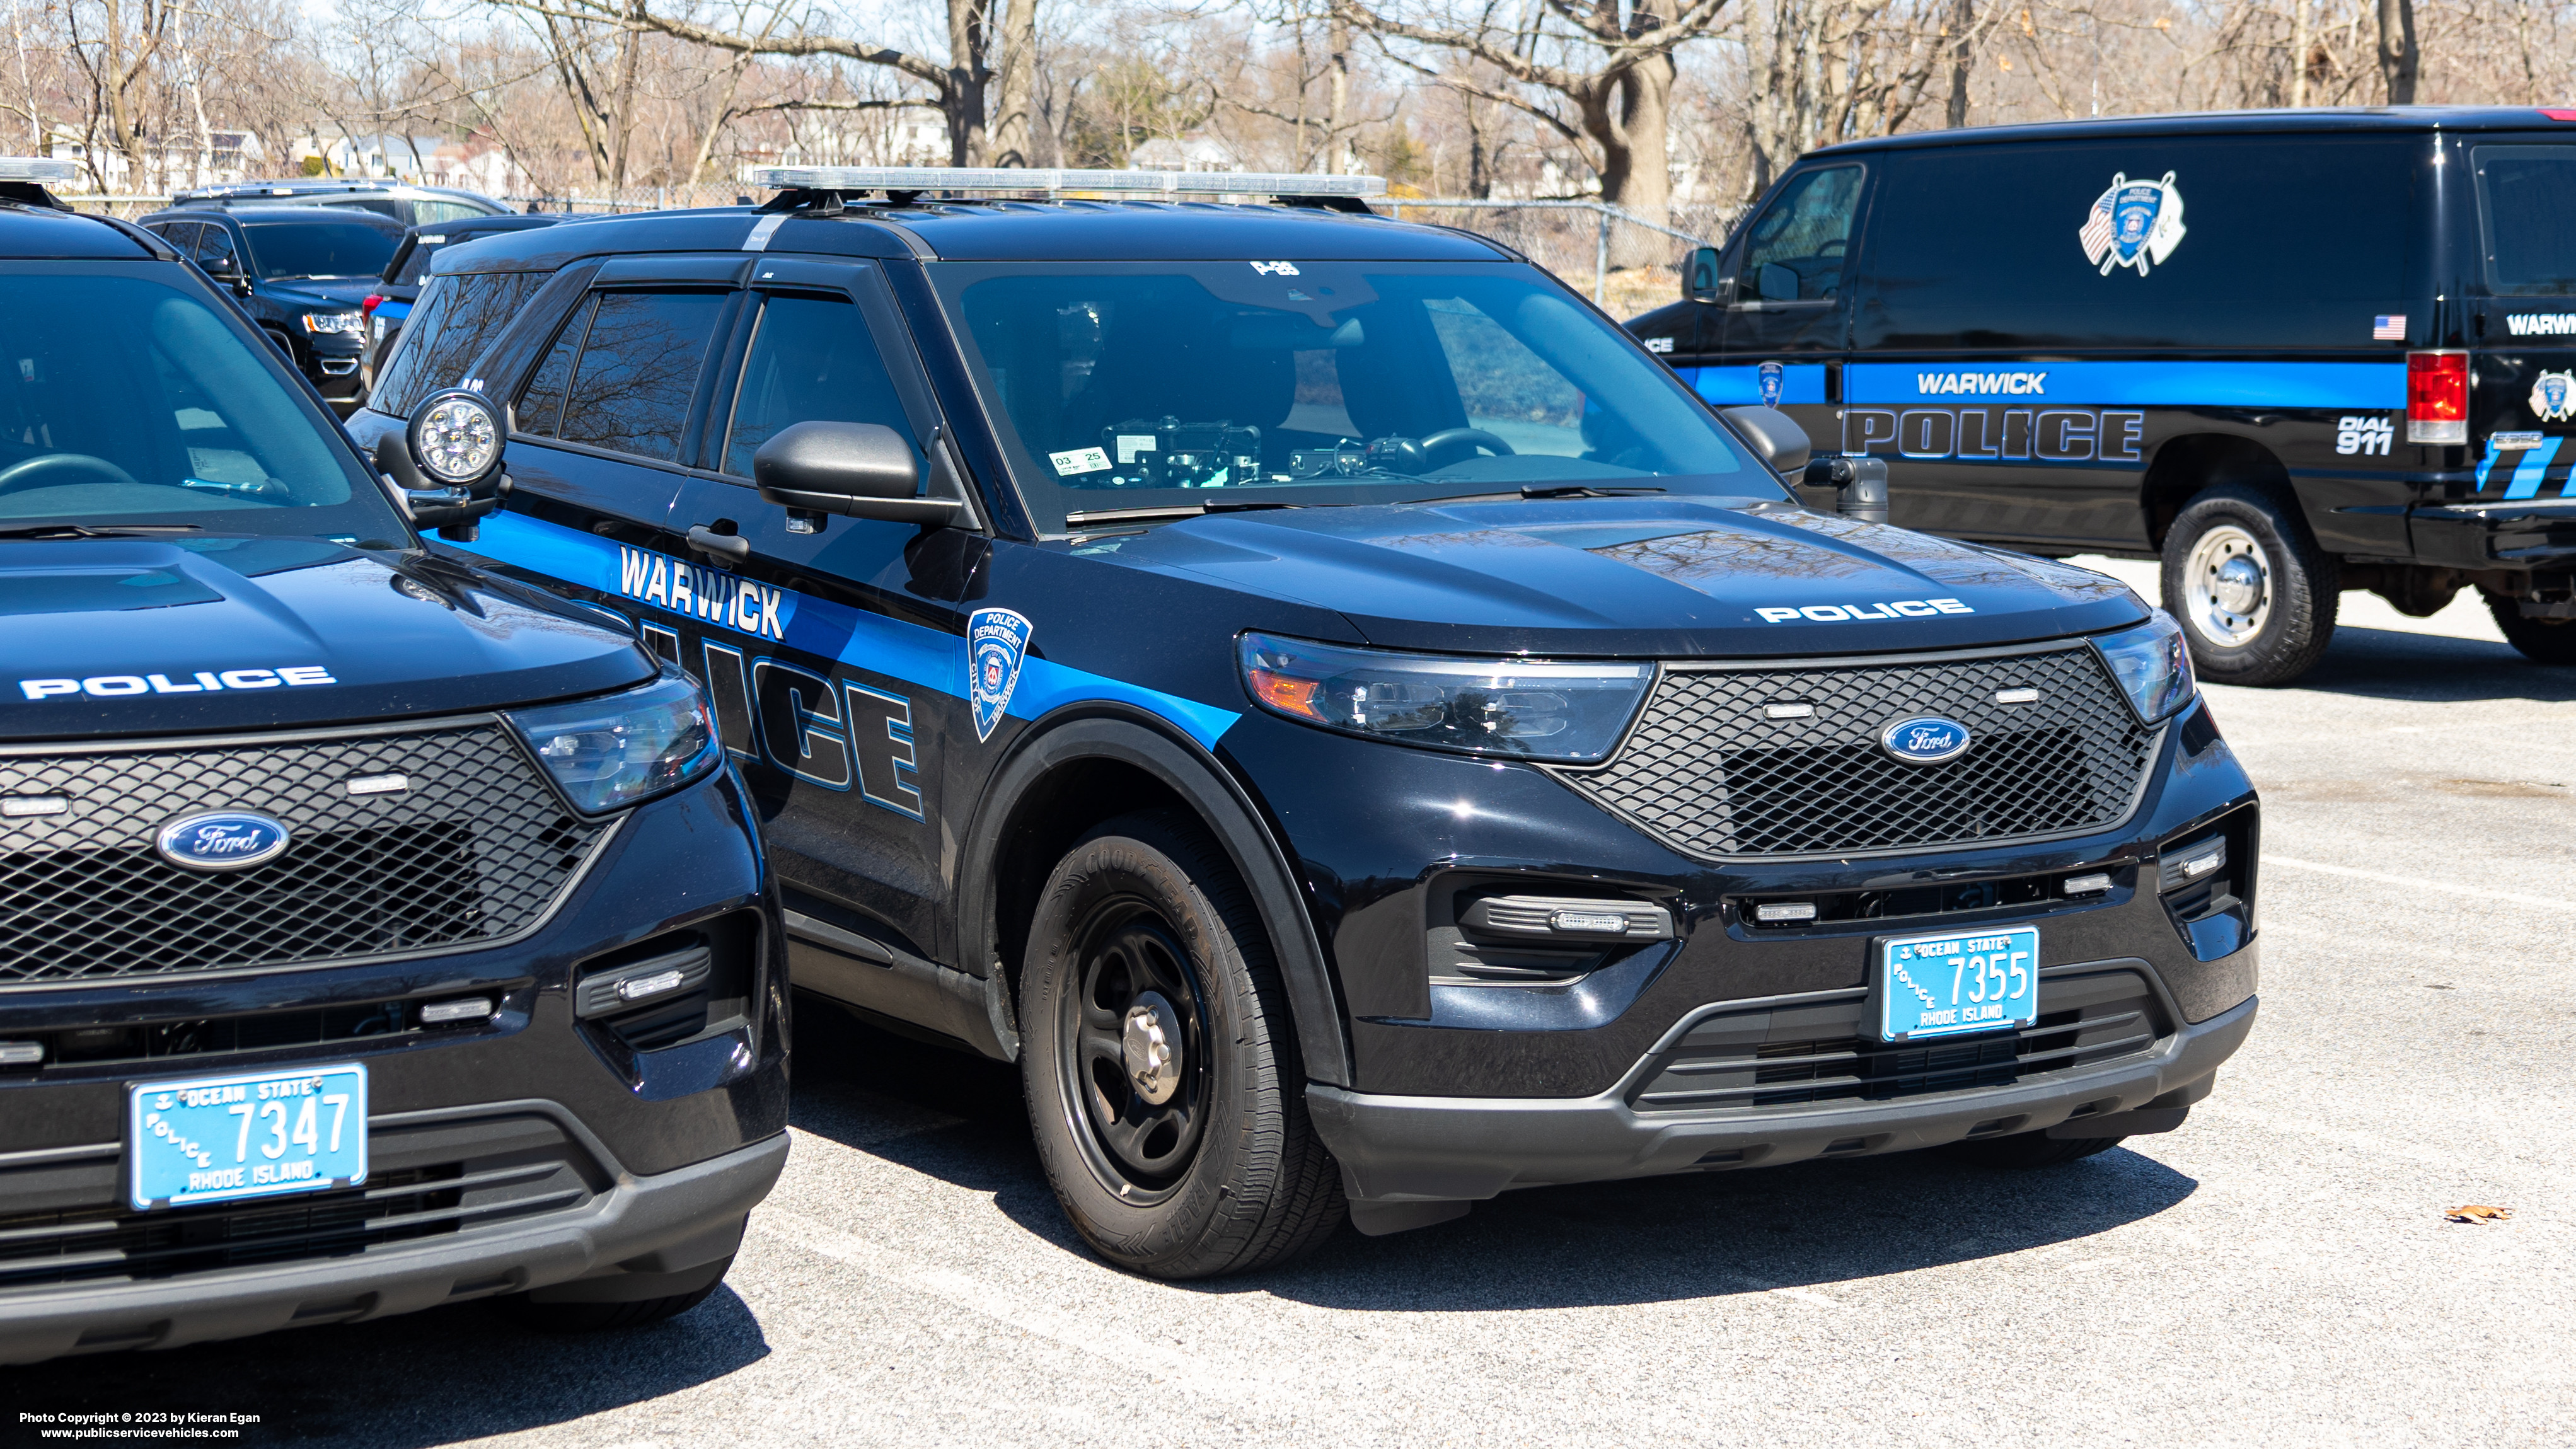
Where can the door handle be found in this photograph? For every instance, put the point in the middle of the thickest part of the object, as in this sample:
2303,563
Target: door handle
732,548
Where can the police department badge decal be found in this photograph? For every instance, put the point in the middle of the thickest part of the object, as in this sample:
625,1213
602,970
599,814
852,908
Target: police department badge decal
2553,396
2132,224
1771,374
996,641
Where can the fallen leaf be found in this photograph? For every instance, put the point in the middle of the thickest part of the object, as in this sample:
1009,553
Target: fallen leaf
2477,1213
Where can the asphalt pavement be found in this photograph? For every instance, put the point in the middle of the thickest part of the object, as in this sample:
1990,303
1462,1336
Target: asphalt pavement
2278,1271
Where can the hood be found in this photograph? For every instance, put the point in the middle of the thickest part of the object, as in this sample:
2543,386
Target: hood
1665,578
336,292
122,637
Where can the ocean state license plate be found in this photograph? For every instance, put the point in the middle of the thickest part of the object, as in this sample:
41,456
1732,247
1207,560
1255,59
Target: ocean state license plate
1958,982
253,1134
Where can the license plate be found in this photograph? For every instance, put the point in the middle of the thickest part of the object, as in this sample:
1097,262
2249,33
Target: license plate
1958,982
256,1134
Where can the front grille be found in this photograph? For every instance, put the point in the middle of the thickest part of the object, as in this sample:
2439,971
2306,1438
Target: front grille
1756,1059
1706,771
476,849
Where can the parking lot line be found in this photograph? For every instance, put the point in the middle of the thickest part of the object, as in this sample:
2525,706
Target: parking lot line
2416,883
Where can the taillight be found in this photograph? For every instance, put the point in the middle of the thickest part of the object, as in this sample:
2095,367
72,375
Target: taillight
369,306
2437,397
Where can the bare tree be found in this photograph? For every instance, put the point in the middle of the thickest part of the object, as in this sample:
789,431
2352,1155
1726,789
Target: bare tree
2397,54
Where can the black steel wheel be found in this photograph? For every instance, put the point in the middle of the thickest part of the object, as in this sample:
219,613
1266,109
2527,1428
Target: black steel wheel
1159,1062
2542,641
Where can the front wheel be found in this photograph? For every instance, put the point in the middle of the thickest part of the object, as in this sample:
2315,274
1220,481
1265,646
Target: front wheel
1160,1069
2255,595
2542,641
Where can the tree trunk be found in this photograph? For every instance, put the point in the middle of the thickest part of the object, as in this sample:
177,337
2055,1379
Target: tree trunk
625,118
1632,127
1963,60
1015,109
2398,58
1338,64
961,100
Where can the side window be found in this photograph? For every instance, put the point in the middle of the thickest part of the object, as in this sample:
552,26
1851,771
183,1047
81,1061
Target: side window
638,367
2524,211
180,234
540,409
1795,252
214,242
458,317
430,213
811,360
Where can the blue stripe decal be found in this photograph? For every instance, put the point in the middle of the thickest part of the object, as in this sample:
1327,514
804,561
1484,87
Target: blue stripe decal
2486,465
928,658
2527,473
2133,384
1731,386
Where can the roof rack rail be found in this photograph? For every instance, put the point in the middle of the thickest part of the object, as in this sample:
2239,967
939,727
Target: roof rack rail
1018,181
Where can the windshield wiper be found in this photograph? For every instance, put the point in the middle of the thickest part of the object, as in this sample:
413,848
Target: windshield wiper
1548,490
84,530
1170,510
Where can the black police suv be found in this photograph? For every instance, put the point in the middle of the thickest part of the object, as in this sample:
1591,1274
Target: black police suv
390,300
301,272
1357,730
2288,352
374,933
398,201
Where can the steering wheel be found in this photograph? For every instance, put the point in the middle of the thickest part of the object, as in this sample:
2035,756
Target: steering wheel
1450,440
38,471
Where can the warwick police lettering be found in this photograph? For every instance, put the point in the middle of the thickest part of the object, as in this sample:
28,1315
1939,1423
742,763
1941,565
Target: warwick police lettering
700,593
2048,435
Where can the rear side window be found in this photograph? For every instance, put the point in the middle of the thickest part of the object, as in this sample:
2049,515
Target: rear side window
2204,241
811,360
2527,218
458,317
635,371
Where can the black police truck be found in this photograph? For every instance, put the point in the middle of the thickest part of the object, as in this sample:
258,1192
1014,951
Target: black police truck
1358,731
374,933
2289,353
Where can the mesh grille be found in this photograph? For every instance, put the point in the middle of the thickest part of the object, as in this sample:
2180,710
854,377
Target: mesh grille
1706,771
475,850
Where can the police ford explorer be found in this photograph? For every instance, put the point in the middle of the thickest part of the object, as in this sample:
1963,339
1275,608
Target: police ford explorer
1348,722
2289,353
374,934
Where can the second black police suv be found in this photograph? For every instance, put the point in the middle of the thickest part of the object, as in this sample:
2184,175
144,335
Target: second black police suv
2289,353
374,933
1361,734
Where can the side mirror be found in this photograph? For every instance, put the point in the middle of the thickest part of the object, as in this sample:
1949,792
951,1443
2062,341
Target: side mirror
1774,436
858,470
1700,275
448,463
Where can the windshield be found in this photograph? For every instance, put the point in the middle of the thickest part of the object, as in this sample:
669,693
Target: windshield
335,248
1171,386
125,400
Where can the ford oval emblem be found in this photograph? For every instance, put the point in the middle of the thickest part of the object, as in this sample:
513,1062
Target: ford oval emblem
1925,739
221,840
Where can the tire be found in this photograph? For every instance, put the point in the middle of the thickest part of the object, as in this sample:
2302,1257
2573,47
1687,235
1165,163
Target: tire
2254,594
2542,641
600,1317
1145,942
2025,1150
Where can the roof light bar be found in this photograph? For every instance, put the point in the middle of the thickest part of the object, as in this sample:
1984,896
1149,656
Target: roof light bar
38,169
1020,180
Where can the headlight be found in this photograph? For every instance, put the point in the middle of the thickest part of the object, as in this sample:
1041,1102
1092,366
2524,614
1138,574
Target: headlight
613,752
2152,665
1520,707
349,322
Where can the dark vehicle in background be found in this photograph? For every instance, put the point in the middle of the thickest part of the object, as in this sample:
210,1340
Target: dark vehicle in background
390,301
303,274
397,201
375,933
2287,353
1354,728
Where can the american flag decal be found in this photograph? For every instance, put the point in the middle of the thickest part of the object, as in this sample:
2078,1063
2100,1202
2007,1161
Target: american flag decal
2096,234
2388,329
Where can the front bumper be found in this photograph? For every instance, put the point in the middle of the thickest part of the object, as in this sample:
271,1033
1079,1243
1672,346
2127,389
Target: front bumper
656,1228
1411,1149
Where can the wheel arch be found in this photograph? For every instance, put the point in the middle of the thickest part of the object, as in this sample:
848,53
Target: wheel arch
2188,465
1089,763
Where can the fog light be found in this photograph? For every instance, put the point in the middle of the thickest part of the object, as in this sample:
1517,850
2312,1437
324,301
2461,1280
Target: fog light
472,1008
2087,885
2192,863
1599,922
21,807
22,1053
1785,911
2016,696
636,988
1788,711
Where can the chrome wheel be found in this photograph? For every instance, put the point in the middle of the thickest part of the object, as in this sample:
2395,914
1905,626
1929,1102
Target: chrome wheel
2228,586
1135,1053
